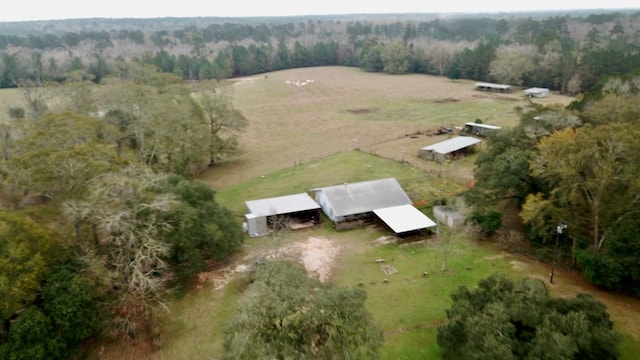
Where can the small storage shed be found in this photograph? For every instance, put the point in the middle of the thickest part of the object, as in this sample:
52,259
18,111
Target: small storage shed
299,210
537,92
479,129
347,202
448,149
404,219
484,86
448,216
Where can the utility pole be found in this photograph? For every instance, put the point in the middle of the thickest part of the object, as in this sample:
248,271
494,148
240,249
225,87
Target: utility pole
561,226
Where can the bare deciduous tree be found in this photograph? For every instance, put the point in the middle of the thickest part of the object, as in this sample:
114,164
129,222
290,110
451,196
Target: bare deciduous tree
512,62
126,217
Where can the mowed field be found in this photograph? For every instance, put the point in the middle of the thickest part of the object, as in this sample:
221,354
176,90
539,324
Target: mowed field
307,114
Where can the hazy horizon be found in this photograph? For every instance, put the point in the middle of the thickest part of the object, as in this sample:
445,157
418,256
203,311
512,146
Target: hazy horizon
41,10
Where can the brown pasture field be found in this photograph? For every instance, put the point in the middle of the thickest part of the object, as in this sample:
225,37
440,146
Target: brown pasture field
307,114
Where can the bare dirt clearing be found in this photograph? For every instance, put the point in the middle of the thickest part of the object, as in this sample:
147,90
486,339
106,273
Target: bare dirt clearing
317,254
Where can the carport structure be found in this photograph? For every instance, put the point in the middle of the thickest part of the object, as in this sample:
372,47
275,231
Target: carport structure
293,211
449,149
484,86
405,220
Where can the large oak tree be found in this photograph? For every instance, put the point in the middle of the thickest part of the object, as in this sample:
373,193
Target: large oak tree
286,315
505,319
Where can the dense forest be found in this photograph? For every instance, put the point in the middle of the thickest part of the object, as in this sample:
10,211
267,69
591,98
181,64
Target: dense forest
110,136
566,52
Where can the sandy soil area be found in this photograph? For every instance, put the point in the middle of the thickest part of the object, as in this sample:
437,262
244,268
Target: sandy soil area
317,254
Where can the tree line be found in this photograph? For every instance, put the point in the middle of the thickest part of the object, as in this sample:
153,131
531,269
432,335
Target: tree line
564,52
100,220
572,175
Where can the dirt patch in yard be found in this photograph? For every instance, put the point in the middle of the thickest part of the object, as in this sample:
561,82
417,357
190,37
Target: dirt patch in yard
317,255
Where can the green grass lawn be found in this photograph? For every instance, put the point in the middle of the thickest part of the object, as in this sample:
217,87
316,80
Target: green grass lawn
351,166
407,305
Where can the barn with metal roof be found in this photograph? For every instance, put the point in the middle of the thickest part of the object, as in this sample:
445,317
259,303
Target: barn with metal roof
293,211
352,204
477,129
449,149
484,86
340,202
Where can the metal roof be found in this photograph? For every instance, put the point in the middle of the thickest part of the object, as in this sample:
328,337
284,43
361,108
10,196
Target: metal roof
536,90
281,205
486,126
364,197
404,218
493,86
453,144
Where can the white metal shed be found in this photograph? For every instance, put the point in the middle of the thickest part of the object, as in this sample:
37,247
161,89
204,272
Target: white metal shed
537,92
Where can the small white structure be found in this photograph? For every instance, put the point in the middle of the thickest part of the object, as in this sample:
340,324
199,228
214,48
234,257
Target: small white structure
448,216
537,92
300,207
448,149
479,129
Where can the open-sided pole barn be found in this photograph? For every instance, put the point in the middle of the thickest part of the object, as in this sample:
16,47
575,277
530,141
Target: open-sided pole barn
479,129
448,149
294,211
484,86
405,220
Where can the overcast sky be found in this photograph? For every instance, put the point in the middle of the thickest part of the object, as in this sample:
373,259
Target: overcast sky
20,10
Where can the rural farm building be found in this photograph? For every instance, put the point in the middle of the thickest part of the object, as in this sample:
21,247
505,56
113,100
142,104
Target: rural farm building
296,211
348,205
537,92
483,86
449,149
448,216
479,129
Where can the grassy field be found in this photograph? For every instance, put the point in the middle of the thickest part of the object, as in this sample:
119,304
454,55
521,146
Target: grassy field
9,98
350,166
345,108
